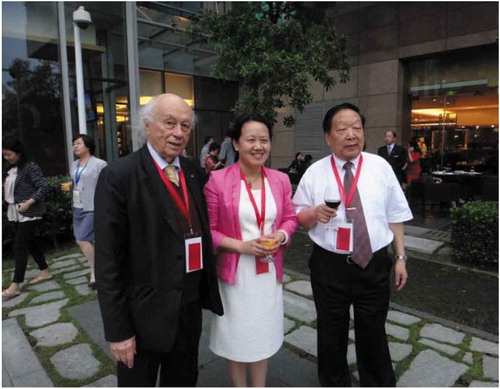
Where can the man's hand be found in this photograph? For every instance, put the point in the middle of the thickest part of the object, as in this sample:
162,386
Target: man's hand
400,274
124,351
323,213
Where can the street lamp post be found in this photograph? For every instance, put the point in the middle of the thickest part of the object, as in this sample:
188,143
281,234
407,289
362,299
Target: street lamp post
81,20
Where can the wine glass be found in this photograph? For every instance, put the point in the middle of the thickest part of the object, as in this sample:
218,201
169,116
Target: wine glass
332,200
268,242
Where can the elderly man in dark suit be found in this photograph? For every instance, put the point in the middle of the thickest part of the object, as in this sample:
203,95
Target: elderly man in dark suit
396,155
154,264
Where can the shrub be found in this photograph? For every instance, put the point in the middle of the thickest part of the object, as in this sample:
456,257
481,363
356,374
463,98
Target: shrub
57,220
475,233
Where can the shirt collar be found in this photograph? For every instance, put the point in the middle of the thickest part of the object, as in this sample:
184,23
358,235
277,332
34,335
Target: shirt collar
160,161
341,162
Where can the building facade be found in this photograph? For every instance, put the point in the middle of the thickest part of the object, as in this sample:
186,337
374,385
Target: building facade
421,69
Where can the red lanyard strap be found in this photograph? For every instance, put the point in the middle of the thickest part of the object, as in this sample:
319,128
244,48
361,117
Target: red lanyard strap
260,216
182,205
347,199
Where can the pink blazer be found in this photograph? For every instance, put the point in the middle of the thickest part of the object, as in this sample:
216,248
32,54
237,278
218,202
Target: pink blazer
223,198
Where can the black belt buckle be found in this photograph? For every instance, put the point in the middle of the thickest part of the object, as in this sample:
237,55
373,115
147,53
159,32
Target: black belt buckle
349,260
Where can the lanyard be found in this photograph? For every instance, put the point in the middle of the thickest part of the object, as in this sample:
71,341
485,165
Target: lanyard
260,216
347,199
182,205
78,176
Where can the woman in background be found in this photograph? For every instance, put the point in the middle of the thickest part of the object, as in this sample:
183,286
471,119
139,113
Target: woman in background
413,169
250,208
84,175
25,188
212,159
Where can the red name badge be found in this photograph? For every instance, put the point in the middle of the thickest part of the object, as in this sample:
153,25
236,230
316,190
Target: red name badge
194,254
345,238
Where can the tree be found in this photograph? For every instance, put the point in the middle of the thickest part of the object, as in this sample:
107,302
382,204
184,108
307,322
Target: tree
274,49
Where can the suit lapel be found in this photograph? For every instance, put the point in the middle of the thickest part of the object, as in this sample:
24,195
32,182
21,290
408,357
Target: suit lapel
158,191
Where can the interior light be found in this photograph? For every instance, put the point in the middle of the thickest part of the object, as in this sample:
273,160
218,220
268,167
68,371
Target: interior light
144,99
189,102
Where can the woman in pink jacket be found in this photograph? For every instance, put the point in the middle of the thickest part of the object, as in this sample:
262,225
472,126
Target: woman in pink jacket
251,220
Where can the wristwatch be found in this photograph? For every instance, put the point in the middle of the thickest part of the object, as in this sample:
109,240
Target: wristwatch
402,257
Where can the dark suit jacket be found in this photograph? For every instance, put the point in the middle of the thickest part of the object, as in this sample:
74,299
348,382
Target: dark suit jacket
140,260
396,159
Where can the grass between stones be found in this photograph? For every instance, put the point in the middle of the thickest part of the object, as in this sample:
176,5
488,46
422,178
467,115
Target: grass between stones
43,353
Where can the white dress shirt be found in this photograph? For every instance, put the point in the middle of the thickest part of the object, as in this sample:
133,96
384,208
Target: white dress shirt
381,195
162,163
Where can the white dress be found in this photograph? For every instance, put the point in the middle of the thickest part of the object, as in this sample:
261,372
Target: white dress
251,328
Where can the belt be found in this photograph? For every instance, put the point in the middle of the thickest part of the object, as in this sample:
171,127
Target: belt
348,257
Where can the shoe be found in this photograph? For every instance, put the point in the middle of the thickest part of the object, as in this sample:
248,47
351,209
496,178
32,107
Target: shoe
91,285
40,278
9,294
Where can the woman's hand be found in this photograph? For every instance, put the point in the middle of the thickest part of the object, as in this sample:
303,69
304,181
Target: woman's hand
23,207
253,247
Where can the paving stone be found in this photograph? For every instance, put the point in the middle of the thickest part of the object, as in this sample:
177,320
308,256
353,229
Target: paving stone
61,264
286,278
28,275
22,367
352,335
76,274
482,384
83,260
468,358
439,346
45,286
66,269
397,331
490,367
429,369
41,315
422,245
288,325
351,312
109,381
304,338
83,289
14,301
441,334
299,307
55,334
78,280
48,297
484,346
351,354
76,362
301,287
402,318
69,256
399,351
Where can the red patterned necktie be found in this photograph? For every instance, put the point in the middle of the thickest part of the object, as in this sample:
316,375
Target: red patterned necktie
362,253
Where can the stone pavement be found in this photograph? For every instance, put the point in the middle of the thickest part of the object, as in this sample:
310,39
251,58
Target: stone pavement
52,336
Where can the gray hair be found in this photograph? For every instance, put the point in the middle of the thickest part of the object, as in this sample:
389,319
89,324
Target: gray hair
146,112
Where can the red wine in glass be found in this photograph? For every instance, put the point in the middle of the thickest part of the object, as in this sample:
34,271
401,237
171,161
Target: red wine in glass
334,204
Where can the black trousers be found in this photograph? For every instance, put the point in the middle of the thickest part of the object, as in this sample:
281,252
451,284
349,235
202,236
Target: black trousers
27,239
336,285
177,367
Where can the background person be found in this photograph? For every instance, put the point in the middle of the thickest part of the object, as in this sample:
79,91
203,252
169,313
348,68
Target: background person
244,201
24,188
413,169
84,175
227,153
148,206
204,150
212,161
396,155
296,163
350,263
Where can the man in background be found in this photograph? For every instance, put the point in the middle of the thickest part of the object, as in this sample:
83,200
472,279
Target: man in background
227,153
204,151
396,155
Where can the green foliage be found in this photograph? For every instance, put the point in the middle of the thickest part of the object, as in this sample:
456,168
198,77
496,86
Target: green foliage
57,220
275,50
475,233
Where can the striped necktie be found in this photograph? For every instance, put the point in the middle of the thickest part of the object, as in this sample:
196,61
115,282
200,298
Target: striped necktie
170,172
362,253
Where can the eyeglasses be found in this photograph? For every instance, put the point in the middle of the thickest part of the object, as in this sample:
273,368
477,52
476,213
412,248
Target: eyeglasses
171,124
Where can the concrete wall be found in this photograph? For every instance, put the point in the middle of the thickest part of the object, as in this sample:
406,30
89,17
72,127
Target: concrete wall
381,37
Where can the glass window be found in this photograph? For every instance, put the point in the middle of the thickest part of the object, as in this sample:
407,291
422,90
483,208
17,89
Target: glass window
454,106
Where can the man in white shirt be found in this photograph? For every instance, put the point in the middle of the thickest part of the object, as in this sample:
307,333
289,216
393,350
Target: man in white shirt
204,150
350,263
